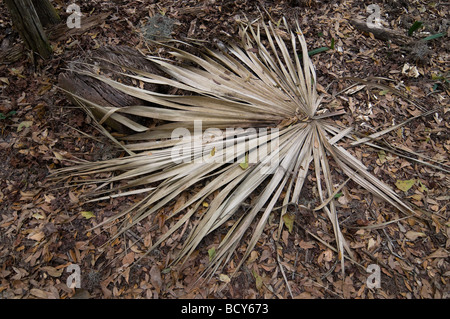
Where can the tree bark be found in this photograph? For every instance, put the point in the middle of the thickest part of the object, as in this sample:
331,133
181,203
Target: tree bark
27,23
46,12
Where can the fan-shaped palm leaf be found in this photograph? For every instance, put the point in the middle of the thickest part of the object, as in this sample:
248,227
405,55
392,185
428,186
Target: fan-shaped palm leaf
270,94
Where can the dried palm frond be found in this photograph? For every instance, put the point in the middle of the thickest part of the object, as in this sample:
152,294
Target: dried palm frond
267,94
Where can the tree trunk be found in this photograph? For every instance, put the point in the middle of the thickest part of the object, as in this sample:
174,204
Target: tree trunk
46,12
27,23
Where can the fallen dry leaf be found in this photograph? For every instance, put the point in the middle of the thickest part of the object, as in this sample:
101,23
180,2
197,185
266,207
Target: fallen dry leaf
41,294
439,253
306,244
37,236
413,235
224,278
303,295
155,278
128,259
52,271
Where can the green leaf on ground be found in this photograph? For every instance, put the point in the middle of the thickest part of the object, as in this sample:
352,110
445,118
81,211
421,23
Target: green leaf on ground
87,214
382,156
405,185
433,36
211,253
23,125
288,220
422,187
416,25
318,50
244,165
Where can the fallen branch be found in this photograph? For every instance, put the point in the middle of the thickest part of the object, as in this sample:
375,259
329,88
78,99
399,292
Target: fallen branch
61,31
381,32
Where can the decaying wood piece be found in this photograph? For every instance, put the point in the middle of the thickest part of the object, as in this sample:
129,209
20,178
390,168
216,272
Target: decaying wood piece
61,31
12,54
100,93
381,32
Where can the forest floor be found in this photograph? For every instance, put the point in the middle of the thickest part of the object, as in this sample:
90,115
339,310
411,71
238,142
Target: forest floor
44,228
